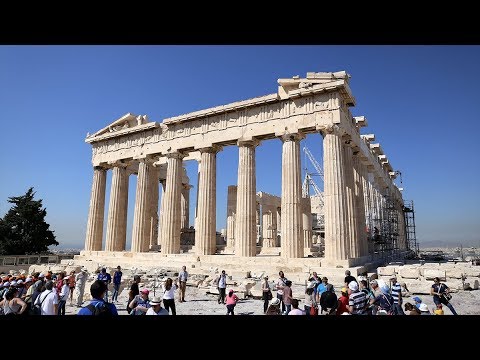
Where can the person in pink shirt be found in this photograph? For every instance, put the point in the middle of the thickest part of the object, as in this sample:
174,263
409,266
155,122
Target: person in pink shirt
231,301
296,310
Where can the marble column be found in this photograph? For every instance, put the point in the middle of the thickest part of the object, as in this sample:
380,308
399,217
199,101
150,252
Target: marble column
160,216
360,206
268,230
153,197
258,228
172,205
292,225
94,235
245,219
199,168
205,234
307,222
117,210
141,215
278,239
351,208
185,222
231,211
335,196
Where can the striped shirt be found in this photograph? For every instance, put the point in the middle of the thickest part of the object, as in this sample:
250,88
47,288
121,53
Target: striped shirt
358,301
396,292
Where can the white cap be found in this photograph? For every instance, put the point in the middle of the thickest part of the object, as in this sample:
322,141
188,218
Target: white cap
352,285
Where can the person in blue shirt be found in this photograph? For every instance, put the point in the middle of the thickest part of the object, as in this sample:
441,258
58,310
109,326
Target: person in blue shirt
107,279
97,305
117,278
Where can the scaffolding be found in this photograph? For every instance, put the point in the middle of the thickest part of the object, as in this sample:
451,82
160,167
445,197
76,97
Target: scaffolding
386,231
410,234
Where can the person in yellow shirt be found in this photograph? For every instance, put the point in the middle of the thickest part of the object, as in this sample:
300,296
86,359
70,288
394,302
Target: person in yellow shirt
438,310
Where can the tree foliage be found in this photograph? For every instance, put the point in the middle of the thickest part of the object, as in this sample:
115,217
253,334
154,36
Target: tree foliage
23,229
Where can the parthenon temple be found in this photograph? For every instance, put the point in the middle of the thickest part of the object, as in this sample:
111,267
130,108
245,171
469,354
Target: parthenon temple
358,183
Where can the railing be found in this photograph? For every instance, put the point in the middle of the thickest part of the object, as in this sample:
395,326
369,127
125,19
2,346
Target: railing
18,260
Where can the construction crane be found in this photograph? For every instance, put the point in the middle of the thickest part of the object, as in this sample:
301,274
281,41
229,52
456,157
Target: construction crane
308,181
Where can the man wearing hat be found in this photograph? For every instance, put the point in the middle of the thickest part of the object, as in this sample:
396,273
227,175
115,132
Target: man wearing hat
356,300
80,280
418,301
274,307
156,307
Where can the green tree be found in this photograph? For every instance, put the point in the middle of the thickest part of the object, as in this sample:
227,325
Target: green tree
23,229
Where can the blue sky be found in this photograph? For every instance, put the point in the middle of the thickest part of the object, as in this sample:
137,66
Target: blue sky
420,102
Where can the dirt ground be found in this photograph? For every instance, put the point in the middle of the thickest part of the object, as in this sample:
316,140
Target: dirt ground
200,303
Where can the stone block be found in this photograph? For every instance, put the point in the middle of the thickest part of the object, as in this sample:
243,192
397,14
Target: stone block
430,274
409,272
256,294
386,270
471,284
454,273
418,286
472,272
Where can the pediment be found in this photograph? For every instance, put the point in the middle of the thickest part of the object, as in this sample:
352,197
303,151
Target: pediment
125,124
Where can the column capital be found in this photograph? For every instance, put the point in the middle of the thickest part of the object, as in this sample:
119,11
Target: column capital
187,186
119,163
292,136
252,142
100,167
332,129
175,155
211,149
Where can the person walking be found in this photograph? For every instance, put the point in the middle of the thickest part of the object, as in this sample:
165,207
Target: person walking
441,294
266,293
106,278
182,282
231,302
117,279
396,291
222,286
281,283
71,285
287,297
169,295
80,281
134,291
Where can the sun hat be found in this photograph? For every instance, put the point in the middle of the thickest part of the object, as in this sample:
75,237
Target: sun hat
19,282
230,290
6,284
344,290
42,275
145,291
352,285
157,300
28,279
275,301
423,307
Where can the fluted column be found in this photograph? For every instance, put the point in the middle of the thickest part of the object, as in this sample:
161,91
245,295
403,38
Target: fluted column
292,226
185,222
360,207
141,215
199,167
335,195
160,216
172,205
94,235
268,229
205,234
351,208
245,219
307,222
117,210
153,214
231,211
278,241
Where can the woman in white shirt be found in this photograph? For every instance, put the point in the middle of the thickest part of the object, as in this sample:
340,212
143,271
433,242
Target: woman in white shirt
169,295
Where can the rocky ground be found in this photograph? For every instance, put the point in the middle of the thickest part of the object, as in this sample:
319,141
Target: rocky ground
200,303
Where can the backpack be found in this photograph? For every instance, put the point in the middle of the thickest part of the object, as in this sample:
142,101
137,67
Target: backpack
37,307
101,309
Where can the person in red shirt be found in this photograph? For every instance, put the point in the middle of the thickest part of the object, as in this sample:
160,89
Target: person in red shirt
343,302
